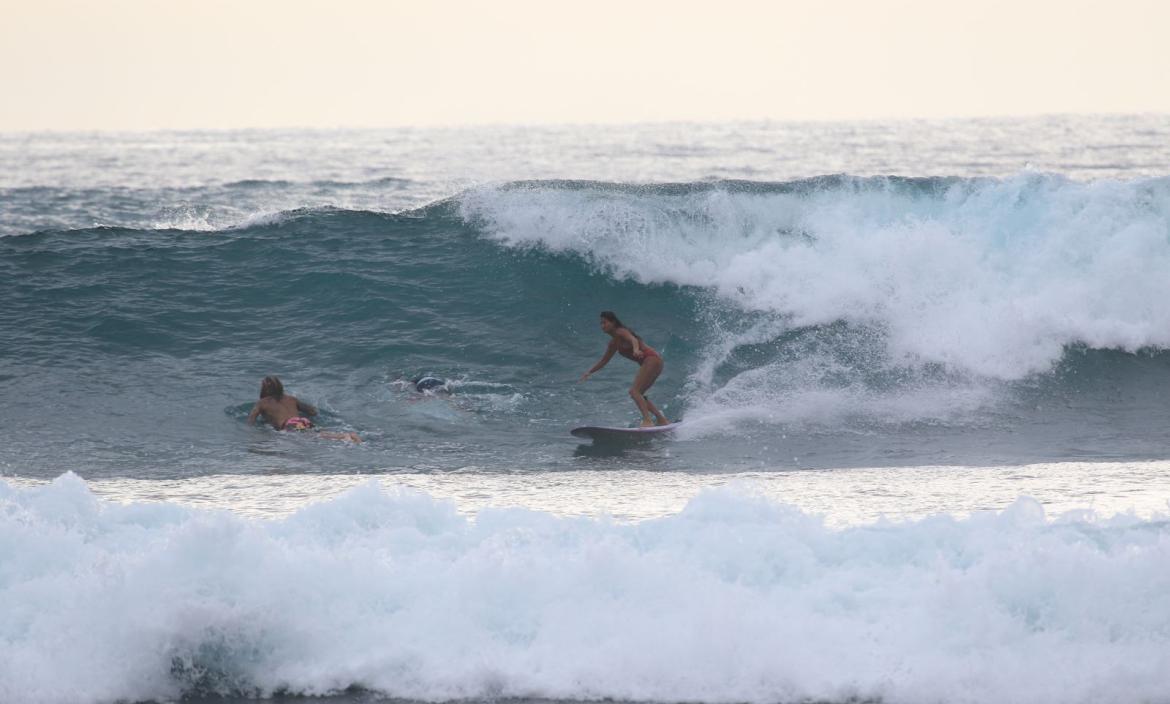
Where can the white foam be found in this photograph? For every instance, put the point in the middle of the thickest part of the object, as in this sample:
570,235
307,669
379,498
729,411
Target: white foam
992,277
735,599
207,220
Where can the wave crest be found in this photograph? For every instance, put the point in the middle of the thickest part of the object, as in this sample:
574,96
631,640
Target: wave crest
990,277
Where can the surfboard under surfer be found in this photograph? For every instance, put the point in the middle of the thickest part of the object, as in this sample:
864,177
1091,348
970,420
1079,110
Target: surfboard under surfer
628,344
287,412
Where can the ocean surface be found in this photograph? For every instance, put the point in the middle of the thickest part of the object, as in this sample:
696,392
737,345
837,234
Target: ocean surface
923,369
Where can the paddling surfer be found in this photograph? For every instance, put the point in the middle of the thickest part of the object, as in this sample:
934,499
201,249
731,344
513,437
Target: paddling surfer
287,412
626,342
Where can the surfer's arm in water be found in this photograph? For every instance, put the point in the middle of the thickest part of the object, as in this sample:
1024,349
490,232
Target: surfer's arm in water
610,350
310,410
254,414
307,408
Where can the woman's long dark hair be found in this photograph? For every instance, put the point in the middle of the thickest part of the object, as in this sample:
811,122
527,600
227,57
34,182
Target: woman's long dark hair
612,317
271,388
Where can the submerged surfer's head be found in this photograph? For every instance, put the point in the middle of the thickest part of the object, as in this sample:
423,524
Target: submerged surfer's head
423,384
271,386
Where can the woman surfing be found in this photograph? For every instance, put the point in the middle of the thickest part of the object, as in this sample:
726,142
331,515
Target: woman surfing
626,342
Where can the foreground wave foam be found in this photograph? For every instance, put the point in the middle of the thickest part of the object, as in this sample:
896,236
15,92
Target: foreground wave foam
987,277
735,599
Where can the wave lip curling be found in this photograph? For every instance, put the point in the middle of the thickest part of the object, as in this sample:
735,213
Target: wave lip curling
988,277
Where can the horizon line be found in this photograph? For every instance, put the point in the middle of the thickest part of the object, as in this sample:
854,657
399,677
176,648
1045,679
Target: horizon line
499,124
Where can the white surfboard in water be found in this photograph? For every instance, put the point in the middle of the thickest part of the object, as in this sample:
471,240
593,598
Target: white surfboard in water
595,432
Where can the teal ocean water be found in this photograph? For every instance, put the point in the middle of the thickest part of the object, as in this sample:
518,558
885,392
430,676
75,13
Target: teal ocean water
962,325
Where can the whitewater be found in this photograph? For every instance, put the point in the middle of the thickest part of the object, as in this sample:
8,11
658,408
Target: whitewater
922,368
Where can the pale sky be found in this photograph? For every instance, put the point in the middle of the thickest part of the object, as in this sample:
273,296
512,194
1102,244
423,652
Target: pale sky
134,64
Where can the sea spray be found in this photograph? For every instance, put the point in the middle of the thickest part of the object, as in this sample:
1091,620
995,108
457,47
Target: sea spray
735,599
991,277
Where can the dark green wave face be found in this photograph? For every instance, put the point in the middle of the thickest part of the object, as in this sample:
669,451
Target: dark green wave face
802,324
143,350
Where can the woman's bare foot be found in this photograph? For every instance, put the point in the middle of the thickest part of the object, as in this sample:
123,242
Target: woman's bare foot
345,437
